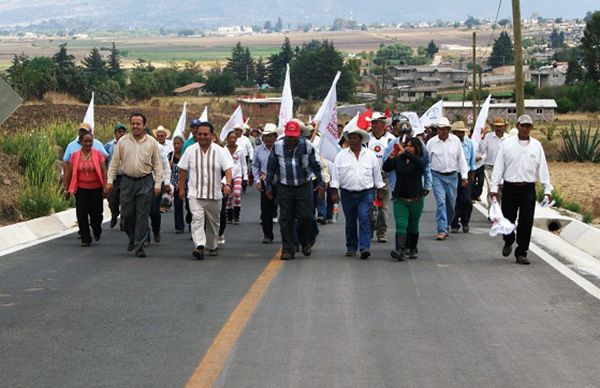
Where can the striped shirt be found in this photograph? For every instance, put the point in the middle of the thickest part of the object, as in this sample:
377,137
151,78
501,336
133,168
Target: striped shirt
293,167
205,170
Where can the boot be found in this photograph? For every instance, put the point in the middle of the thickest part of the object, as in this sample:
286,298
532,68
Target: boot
400,252
413,240
229,216
236,214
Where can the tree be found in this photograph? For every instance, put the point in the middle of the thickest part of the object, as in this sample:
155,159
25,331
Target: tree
220,83
279,25
142,85
504,22
94,68
261,72
68,76
114,65
268,26
241,64
557,39
277,63
472,22
589,45
502,52
432,49
574,72
38,77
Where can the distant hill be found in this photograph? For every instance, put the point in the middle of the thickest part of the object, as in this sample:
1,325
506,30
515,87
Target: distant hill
208,14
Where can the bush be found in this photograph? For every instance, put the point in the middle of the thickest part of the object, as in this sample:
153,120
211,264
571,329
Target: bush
587,217
582,147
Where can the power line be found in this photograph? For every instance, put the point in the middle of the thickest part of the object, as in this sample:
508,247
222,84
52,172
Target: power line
494,26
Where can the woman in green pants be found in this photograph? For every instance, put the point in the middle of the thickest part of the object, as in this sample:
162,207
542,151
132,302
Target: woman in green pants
408,163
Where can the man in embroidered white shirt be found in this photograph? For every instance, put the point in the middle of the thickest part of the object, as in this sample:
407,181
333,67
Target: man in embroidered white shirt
447,161
520,162
205,163
356,171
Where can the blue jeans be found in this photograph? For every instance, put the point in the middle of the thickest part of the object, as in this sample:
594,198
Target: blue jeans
357,206
444,190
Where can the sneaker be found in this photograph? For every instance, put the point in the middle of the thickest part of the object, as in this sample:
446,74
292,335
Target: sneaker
321,221
454,229
287,256
413,254
213,252
397,255
306,250
465,228
523,260
382,239
198,253
350,253
221,240
364,254
506,250
140,253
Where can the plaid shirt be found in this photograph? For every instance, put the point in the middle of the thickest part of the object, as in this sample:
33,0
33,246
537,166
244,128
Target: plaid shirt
293,167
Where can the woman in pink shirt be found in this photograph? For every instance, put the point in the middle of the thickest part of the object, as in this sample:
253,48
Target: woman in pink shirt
84,178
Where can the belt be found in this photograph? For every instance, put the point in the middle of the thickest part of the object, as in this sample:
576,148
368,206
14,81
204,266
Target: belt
132,178
445,173
518,183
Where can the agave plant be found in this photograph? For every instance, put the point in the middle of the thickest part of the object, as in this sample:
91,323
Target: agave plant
581,146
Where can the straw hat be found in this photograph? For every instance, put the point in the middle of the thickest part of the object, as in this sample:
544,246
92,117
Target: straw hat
160,128
354,130
499,122
459,126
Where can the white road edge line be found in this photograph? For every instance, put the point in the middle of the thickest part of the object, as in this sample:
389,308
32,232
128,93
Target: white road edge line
37,242
582,282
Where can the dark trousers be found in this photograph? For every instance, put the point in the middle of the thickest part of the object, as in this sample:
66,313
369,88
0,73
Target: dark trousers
223,216
329,209
155,215
519,199
295,203
268,211
136,197
114,202
464,205
357,207
178,212
89,207
479,181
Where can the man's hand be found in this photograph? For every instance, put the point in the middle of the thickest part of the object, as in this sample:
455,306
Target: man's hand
464,183
549,196
471,176
167,189
379,195
259,186
493,196
320,189
227,190
335,197
157,191
269,194
182,193
108,188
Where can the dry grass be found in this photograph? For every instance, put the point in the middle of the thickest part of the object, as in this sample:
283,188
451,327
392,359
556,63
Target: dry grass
578,182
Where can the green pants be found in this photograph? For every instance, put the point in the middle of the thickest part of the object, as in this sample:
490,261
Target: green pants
408,214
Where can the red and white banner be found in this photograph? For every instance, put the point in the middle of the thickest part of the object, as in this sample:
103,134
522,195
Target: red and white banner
329,147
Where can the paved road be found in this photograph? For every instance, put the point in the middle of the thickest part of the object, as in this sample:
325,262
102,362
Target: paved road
459,316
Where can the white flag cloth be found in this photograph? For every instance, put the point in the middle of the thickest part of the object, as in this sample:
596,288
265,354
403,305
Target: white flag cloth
319,116
433,114
352,123
237,118
89,114
204,115
415,122
180,128
480,123
328,146
500,225
286,110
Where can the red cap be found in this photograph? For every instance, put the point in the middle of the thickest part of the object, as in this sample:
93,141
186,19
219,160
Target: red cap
292,129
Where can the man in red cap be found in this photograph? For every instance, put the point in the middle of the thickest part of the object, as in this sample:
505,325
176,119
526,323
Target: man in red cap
293,162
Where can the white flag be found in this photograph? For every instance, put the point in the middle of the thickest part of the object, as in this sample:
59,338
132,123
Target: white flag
204,115
433,114
180,128
89,114
237,118
480,123
352,123
415,122
329,147
286,110
319,116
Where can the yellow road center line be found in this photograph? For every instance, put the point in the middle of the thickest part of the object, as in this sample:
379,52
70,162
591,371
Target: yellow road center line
210,367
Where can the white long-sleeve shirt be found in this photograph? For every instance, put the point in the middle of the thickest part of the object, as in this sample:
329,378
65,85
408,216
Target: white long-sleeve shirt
447,156
166,165
488,148
350,173
521,161
240,167
244,143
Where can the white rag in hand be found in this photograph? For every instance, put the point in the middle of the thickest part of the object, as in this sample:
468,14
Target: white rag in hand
500,224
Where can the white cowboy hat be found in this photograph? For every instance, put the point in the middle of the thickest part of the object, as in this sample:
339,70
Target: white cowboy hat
443,122
354,130
270,129
380,116
160,128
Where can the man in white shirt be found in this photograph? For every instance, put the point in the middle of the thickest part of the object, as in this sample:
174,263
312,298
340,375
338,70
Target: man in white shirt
356,171
447,160
204,164
489,146
378,142
520,161
245,144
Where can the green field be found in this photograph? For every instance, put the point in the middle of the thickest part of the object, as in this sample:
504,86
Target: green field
199,54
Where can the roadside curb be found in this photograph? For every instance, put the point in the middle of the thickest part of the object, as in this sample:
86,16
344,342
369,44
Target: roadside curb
24,234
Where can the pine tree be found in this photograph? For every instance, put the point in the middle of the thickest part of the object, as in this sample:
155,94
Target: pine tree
502,52
114,65
432,49
277,64
240,64
95,67
589,45
574,72
68,76
261,72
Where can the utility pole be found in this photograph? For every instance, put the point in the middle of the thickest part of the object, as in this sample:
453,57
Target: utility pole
474,84
519,91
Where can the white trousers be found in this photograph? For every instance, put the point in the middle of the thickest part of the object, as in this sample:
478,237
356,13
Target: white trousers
205,222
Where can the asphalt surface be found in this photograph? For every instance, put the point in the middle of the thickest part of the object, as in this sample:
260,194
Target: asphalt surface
459,316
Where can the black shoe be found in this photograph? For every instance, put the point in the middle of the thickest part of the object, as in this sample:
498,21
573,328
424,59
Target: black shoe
97,237
321,221
506,249
130,246
140,252
179,231
364,254
267,240
413,254
213,252
86,244
350,253
465,228
306,250
523,260
157,237
397,255
287,256
198,253
113,221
